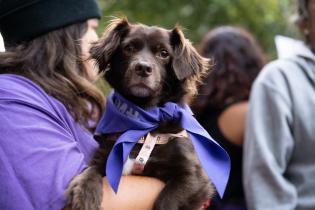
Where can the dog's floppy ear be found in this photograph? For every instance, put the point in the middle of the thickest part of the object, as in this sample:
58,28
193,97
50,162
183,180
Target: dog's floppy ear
186,61
103,50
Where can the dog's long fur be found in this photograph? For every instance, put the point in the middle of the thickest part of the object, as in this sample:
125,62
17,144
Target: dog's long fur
149,66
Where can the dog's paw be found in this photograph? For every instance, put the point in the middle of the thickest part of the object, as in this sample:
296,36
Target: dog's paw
85,191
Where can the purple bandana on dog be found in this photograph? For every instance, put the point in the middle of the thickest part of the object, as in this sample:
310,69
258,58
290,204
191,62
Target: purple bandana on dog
123,116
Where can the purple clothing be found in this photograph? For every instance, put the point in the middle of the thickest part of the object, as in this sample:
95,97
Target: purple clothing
41,147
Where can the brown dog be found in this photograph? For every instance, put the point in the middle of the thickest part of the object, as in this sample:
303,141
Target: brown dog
149,66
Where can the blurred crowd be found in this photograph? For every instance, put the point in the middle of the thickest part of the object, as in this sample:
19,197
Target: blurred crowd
262,114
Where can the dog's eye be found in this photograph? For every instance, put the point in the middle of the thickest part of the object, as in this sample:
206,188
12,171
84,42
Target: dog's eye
129,48
163,53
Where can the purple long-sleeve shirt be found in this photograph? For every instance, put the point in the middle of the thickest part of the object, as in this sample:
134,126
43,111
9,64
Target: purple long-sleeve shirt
41,147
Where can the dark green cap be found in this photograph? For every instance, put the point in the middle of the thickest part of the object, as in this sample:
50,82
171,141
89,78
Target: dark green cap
23,20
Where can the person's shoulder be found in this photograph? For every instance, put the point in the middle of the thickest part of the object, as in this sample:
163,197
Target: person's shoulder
232,122
19,89
286,66
280,72
279,66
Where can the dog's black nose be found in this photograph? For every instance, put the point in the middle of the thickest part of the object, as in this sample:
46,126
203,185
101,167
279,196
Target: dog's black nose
143,69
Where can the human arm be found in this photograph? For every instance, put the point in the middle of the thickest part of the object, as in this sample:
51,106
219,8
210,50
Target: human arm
41,147
38,175
232,122
268,145
38,156
135,193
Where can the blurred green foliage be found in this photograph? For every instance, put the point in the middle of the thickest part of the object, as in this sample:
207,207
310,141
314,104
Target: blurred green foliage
264,18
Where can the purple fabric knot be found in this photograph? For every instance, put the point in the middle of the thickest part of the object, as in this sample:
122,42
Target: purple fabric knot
169,113
123,116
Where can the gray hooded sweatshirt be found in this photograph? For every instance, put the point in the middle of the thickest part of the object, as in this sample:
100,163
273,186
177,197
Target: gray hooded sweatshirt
279,149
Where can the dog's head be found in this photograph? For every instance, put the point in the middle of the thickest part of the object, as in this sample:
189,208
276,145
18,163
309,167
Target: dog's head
149,65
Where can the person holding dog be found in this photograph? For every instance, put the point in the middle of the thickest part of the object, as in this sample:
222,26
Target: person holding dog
49,106
279,145
222,103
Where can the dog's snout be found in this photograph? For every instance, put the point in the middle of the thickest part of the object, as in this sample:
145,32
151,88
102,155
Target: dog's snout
143,69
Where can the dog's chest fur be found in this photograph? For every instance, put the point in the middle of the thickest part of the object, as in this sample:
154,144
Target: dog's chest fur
168,131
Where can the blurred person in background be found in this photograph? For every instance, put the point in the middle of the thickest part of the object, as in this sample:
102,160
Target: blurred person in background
222,103
279,158
49,106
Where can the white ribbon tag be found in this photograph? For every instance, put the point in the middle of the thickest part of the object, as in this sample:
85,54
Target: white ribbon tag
144,153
